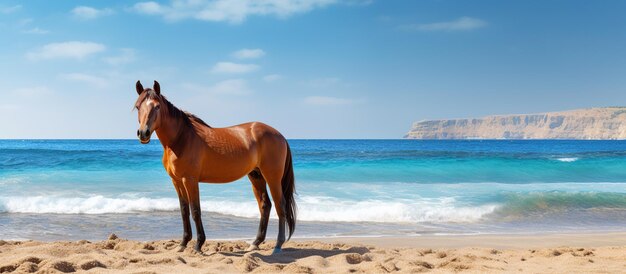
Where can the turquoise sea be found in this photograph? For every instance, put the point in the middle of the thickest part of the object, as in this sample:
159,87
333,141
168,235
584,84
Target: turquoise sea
86,189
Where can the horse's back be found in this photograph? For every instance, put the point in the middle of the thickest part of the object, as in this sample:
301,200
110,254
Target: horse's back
270,145
263,131
240,149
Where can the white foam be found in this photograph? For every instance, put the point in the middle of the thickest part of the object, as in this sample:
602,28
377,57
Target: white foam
568,159
86,205
310,208
422,210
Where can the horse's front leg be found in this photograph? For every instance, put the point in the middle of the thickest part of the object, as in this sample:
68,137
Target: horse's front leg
184,211
193,193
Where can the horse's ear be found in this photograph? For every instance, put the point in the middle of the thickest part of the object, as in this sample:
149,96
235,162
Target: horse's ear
157,87
139,87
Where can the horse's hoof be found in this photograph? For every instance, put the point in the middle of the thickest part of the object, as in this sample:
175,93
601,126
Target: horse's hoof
181,248
277,250
252,248
198,252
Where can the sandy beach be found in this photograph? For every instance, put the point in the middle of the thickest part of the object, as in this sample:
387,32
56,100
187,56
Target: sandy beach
554,253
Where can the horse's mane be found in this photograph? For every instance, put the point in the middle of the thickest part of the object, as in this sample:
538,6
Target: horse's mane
187,117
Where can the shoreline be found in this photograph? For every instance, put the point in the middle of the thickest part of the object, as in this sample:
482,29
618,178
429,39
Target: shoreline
450,240
554,253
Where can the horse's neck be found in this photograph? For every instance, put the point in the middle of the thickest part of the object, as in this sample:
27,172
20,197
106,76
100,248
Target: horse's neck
172,132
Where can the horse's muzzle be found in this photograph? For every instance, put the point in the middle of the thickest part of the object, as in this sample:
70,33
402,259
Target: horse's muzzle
144,135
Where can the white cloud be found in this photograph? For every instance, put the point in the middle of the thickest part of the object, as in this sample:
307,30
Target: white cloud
232,86
87,13
232,11
36,30
249,53
148,8
272,78
461,24
126,56
12,9
228,67
327,101
226,87
72,49
91,80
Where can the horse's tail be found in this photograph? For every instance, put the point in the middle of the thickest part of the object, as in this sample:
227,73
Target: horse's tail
289,188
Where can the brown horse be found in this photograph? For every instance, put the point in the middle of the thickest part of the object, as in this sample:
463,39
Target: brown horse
194,152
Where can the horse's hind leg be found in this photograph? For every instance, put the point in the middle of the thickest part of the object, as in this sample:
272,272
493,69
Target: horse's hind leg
274,183
277,196
272,167
265,206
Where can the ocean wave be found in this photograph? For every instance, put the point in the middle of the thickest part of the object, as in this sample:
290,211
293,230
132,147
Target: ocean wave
85,205
332,209
534,203
567,159
324,209
422,210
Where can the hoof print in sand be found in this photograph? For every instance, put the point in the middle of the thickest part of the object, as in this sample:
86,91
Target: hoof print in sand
92,264
354,258
63,266
26,265
7,268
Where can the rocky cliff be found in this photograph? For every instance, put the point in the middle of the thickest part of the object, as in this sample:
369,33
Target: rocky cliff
593,123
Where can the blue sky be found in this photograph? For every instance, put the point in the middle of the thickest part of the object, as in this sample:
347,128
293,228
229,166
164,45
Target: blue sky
310,68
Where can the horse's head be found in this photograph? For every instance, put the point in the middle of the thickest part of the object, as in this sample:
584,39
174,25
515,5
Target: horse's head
148,107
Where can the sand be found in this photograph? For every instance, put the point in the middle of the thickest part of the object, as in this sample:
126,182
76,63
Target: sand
557,253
